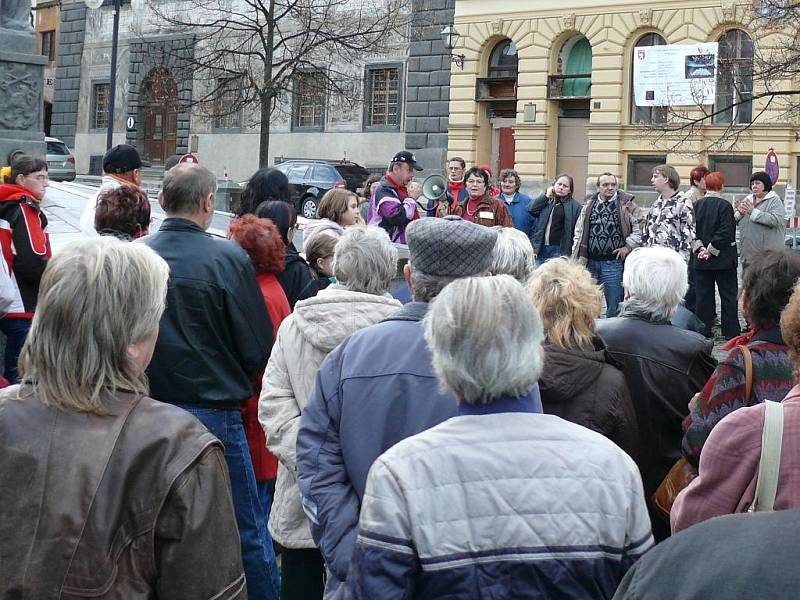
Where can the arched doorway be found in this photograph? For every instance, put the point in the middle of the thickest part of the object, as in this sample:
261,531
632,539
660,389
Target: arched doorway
160,115
498,93
571,86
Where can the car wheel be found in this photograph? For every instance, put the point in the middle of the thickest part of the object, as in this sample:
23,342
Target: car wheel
308,208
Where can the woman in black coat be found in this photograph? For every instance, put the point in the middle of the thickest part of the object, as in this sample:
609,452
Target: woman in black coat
580,382
557,213
715,258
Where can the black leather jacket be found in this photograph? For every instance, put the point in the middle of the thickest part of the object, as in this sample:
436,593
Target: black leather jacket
215,333
664,367
133,504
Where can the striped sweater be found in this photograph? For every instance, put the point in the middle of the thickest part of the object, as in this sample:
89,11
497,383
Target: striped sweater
725,390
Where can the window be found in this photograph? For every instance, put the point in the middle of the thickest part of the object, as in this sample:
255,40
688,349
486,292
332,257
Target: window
640,169
646,115
227,110
309,101
735,169
100,105
734,78
383,97
49,45
504,61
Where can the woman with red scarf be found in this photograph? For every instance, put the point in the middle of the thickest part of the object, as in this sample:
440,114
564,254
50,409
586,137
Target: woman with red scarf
25,244
768,283
262,242
480,206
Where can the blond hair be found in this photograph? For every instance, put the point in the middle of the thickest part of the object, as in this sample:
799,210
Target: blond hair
334,204
568,300
97,297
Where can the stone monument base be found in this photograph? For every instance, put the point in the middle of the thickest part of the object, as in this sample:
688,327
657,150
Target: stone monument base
20,100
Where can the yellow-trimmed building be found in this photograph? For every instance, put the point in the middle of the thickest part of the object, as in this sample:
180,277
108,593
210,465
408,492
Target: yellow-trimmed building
547,88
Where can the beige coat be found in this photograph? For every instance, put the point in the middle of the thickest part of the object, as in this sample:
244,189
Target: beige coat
764,228
305,338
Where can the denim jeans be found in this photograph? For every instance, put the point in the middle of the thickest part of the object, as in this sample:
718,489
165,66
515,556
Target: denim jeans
548,252
15,330
608,273
258,556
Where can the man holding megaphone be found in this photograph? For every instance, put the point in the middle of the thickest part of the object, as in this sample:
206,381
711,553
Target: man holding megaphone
396,197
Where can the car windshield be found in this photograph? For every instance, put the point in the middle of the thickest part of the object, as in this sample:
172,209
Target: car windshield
59,148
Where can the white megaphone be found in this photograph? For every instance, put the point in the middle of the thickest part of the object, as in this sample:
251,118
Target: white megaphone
434,187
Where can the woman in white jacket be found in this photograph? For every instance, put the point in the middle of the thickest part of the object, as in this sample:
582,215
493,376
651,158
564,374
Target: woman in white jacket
365,261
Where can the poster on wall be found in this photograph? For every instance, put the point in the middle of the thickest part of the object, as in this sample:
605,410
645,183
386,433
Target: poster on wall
675,75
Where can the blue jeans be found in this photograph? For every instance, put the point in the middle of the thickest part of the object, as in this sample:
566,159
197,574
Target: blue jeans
16,331
548,252
608,273
258,556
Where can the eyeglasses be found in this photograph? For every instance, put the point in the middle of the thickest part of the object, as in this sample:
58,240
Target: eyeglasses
475,182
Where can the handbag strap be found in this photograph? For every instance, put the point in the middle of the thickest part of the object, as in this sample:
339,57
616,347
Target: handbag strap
770,462
748,373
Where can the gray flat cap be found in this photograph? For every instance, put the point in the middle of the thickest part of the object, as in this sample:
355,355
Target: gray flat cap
450,246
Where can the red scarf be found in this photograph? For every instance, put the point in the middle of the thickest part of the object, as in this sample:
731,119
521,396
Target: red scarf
400,188
740,340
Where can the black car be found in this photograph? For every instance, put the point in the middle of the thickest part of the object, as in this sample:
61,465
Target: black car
310,179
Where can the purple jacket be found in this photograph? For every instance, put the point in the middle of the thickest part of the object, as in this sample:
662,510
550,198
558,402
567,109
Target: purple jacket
391,211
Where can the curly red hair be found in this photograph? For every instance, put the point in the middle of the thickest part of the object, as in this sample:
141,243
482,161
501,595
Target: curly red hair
262,242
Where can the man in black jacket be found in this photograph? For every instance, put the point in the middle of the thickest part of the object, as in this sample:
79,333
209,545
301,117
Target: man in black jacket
215,336
663,365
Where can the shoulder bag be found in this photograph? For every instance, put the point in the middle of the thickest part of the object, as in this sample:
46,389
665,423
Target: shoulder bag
683,472
769,464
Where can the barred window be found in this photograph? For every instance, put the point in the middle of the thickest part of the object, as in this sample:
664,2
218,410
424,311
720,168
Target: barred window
309,100
100,105
228,112
383,97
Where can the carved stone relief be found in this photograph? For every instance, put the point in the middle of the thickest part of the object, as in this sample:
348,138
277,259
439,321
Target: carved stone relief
20,95
646,16
569,21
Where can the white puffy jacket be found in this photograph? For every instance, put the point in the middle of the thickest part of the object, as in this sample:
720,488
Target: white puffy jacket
305,338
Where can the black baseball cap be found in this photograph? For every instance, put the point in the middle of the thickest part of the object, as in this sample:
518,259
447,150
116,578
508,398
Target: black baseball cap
408,158
123,158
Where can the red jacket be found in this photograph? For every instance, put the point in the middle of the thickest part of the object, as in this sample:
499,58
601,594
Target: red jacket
25,245
265,464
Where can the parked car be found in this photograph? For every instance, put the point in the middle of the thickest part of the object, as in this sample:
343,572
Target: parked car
60,161
310,179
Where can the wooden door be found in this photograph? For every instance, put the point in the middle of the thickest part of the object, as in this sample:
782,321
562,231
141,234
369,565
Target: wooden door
160,115
506,155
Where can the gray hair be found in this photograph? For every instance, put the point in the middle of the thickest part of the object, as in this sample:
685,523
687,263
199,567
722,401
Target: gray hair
656,281
480,353
512,254
97,297
425,287
365,260
185,187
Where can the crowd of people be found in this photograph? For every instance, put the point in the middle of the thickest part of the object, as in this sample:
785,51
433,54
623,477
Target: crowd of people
199,417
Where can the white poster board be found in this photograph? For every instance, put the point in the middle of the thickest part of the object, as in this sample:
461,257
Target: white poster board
675,75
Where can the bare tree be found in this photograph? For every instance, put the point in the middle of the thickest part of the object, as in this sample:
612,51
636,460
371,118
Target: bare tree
256,56
758,82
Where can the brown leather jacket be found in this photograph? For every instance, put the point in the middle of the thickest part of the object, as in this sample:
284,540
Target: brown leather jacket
135,504
490,212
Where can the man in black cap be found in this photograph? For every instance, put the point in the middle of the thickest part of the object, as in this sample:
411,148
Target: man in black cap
378,387
395,203
121,166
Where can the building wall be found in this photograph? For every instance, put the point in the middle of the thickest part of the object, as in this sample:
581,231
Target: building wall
86,61
539,30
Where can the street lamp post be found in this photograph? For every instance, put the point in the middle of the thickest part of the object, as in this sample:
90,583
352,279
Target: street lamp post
112,85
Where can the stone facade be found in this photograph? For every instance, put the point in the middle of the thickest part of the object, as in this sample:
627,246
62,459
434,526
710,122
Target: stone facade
540,29
173,54
428,91
68,71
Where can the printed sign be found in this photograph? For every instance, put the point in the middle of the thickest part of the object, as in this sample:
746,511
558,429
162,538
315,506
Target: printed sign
675,75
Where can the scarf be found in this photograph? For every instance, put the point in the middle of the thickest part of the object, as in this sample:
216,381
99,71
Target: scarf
741,340
400,188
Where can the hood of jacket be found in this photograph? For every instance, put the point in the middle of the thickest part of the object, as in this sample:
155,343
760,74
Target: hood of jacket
568,372
318,226
769,195
10,192
336,312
